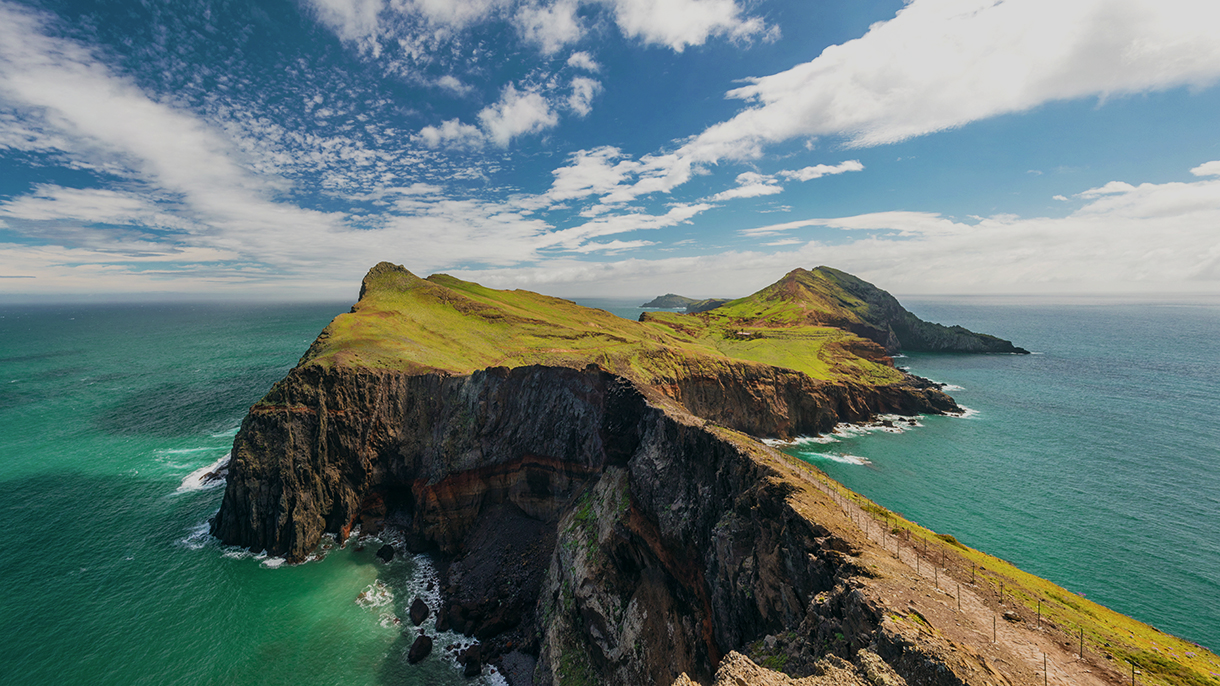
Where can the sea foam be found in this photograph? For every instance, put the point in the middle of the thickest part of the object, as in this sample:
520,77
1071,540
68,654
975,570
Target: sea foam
210,476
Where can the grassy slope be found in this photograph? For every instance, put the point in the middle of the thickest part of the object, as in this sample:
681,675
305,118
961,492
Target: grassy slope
802,296
1160,658
444,323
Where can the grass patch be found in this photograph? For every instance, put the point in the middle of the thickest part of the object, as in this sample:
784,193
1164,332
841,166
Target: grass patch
444,324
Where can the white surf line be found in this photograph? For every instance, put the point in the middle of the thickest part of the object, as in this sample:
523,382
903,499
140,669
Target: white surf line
210,476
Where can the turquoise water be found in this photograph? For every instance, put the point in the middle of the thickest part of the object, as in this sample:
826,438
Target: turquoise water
108,574
1094,464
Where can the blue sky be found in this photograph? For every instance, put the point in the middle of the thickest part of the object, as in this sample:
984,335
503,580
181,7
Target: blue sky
278,148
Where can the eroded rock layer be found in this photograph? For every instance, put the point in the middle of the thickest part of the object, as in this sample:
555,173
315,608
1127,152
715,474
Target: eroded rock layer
589,528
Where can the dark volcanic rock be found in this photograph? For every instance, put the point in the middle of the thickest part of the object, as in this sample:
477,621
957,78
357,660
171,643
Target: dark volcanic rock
472,661
419,649
386,552
418,612
577,522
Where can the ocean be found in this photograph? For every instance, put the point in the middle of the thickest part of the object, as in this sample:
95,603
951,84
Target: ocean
1095,463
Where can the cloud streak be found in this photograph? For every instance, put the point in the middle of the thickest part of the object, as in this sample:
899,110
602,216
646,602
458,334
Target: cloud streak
941,64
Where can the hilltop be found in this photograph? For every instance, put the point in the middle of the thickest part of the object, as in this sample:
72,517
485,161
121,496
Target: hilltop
829,297
444,324
672,301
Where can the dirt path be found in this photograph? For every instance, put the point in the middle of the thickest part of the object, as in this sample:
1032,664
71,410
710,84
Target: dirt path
1015,649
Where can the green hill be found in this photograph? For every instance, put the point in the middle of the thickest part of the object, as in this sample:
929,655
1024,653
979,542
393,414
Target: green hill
829,297
445,324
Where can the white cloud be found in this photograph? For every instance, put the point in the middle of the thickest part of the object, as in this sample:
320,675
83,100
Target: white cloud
1108,189
516,113
451,133
1157,239
583,91
589,172
1060,198
451,13
583,60
750,185
941,64
682,23
820,170
549,27
613,247
453,84
574,237
1207,169
354,21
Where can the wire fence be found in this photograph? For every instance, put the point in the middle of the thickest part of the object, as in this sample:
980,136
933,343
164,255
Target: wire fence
935,557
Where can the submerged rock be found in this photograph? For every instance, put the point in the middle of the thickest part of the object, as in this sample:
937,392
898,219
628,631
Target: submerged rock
386,552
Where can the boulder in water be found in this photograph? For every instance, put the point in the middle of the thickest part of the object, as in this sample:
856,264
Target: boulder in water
386,552
419,611
419,649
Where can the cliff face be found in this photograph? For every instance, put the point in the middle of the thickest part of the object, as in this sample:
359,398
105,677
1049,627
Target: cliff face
654,541
326,443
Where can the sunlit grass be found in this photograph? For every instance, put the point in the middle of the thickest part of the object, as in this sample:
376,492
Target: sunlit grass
446,324
1109,636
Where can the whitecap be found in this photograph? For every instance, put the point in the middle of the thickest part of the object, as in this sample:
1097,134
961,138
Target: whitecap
966,413
799,441
376,594
197,538
841,458
273,562
210,476
389,620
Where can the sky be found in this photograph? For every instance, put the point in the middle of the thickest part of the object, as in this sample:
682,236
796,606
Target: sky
277,149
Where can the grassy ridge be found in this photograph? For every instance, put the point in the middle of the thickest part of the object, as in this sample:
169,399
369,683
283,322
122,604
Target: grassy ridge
1109,636
443,323
801,297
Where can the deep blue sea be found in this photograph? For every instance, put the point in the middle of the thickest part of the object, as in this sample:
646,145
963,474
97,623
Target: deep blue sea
1095,463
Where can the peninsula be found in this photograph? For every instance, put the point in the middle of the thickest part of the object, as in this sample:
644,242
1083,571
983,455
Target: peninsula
603,510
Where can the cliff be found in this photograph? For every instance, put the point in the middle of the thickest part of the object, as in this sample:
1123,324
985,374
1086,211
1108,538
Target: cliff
593,491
